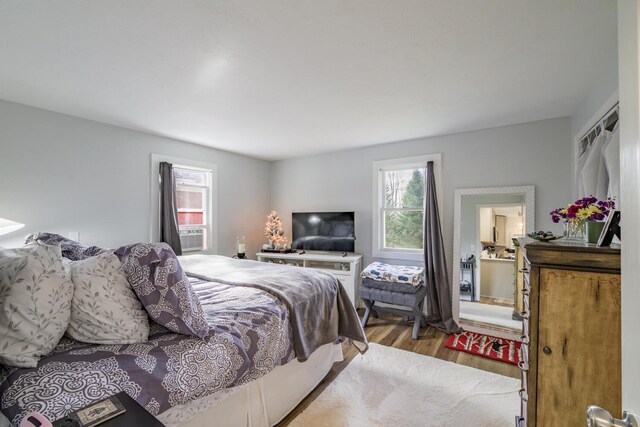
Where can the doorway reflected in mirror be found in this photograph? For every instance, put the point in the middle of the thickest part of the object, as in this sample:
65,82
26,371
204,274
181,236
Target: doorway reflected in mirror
487,220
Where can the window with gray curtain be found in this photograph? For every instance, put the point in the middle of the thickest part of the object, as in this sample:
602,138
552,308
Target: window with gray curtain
169,228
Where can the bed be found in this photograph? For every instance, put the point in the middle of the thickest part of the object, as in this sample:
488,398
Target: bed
259,362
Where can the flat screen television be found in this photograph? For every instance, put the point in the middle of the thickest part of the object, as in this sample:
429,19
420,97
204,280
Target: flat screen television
323,231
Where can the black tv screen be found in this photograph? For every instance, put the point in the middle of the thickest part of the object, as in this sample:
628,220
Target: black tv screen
324,231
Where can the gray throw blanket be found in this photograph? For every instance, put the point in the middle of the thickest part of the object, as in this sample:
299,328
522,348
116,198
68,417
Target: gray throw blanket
318,305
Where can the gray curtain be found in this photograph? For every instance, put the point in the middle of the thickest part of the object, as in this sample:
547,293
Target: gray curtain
439,304
169,232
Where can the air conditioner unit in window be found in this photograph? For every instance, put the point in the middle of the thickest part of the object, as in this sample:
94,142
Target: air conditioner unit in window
192,240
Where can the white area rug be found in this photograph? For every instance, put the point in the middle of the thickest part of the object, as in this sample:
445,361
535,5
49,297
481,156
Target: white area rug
391,387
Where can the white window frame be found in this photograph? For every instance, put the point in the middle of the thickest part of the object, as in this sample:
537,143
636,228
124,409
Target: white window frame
206,227
378,169
212,199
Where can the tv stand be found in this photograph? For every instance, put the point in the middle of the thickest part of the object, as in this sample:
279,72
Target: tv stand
346,266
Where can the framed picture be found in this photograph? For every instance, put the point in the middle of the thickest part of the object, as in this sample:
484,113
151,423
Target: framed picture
611,228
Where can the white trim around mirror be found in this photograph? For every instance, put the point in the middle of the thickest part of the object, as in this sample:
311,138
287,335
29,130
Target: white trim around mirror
528,191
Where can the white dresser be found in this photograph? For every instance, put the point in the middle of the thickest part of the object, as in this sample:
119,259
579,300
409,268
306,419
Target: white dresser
346,268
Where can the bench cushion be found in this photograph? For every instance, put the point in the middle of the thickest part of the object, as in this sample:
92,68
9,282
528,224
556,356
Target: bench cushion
389,297
394,273
405,288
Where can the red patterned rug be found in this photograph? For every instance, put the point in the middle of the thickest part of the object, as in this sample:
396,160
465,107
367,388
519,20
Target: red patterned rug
502,349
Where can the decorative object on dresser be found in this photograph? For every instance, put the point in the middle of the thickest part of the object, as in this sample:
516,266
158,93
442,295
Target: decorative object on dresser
496,348
345,268
241,248
274,233
610,229
571,331
580,218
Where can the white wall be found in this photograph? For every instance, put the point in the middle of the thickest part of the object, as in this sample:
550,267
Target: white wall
629,54
603,95
60,173
598,101
532,153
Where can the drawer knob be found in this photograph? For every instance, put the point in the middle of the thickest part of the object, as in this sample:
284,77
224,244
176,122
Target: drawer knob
546,350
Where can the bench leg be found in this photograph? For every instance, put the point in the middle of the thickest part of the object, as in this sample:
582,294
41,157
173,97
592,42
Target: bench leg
423,321
369,308
419,319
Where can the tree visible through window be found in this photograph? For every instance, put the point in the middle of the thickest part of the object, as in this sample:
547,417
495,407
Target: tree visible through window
403,210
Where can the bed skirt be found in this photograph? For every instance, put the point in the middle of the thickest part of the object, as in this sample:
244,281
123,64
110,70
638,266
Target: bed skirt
260,403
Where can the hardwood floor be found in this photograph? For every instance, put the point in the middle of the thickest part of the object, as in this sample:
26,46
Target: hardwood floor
503,302
390,330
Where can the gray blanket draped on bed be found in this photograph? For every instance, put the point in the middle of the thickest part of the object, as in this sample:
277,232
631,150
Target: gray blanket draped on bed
318,305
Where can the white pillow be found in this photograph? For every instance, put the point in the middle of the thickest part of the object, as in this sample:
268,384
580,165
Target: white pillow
105,310
35,303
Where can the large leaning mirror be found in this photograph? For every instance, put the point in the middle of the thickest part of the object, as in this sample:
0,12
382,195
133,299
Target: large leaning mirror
486,221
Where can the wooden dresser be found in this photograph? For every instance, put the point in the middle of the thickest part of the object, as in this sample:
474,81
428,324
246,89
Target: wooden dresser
571,332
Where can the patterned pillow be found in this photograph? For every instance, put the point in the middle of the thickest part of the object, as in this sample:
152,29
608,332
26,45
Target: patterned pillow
157,278
70,248
104,309
35,303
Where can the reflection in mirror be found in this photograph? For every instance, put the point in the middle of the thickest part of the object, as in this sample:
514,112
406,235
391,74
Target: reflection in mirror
487,220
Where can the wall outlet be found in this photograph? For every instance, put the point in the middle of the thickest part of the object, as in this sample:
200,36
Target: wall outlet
74,235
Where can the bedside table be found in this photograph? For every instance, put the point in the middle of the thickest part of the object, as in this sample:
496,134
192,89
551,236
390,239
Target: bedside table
135,415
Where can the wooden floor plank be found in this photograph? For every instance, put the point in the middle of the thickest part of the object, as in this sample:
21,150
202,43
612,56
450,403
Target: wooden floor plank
394,331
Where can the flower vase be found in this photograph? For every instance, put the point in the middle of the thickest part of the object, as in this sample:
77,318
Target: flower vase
574,229
593,230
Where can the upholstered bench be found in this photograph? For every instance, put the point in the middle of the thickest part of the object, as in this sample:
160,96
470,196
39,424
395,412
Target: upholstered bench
386,284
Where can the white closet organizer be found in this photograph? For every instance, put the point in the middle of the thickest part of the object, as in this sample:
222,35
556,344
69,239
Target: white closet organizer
346,268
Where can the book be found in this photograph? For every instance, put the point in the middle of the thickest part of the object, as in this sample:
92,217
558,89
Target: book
98,412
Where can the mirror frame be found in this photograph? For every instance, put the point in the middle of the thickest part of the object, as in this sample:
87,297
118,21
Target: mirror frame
529,193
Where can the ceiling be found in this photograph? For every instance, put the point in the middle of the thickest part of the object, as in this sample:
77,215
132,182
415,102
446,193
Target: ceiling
278,79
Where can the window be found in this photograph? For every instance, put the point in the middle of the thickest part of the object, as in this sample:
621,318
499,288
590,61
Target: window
196,197
193,187
399,189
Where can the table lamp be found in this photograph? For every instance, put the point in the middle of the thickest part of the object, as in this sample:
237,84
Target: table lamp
8,226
